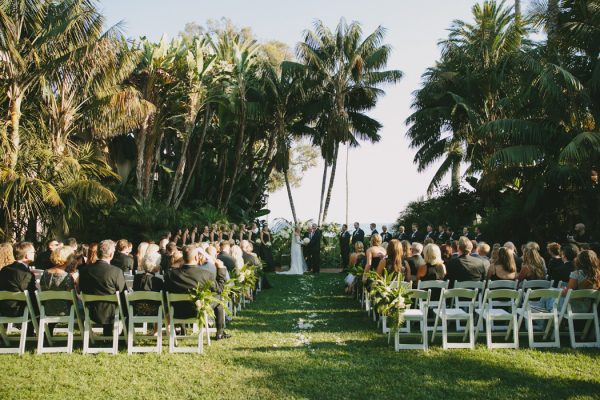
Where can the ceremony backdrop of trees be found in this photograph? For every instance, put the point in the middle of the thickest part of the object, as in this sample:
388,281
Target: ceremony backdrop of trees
522,115
102,136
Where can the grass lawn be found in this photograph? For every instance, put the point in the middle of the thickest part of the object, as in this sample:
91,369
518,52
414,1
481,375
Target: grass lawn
338,355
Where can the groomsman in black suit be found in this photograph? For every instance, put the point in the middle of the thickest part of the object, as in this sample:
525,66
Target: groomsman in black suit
373,229
452,236
358,235
416,236
102,278
478,235
429,234
314,249
402,234
442,236
345,246
467,234
17,277
385,235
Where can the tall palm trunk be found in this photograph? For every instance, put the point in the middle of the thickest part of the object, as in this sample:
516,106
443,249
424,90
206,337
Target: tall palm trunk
455,183
15,120
238,148
322,191
289,192
552,27
192,169
140,142
347,181
331,181
518,13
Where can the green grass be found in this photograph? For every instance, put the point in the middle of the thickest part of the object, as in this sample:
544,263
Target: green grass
343,356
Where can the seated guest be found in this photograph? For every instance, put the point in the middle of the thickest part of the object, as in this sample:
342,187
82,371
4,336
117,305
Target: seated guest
465,267
533,265
139,256
17,277
248,255
433,268
483,249
238,256
585,276
518,261
555,260
504,266
374,254
394,262
446,252
494,255
176,259
57,278
148,282
6,255
197,270
562,272
102,278
415,260
42,260
167,255
92,255
358,256
225,256
122,258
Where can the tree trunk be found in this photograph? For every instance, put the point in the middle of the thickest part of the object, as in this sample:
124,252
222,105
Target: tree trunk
238,149
552,28
15,120
289,192
322,191
196,157
331,181
518,13
268,168
176,182
140,144
455,183
347,181
155,157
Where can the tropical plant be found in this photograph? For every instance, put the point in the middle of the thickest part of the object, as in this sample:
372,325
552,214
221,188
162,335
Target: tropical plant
389,300
206,300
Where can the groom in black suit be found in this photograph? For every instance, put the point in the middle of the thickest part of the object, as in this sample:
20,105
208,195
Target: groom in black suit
358,235
314,249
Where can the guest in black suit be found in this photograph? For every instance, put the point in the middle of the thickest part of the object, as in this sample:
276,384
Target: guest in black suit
42,260
430,234
345,247
102,278
17,277
467,234
442,236
385,235
197,270
465,267
358,235
373,229
122,258
402,234
314,249
568,253
416,236
225,256
479,235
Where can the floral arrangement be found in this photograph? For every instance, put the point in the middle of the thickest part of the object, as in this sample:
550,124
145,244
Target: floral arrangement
306,241
389,301
205,300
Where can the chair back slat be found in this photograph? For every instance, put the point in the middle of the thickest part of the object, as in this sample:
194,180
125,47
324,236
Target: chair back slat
480,285
536,284
432,285
585,294
14,296
144,295
92,298
54,295
460,292
502,294
502,284
543,293
419,294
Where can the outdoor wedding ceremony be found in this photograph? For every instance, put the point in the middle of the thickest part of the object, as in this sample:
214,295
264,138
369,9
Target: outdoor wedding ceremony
300,200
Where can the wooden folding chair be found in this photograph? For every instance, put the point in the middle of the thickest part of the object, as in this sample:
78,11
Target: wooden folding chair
118,324
131,298
68,297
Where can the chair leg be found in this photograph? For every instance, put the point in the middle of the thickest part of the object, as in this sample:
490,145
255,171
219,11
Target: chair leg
424,332
572,332
115,344
4,335
530,330
488,332
42,330
513,322
70,334
23,340
444,333
130,333
86,335
171,337
159,334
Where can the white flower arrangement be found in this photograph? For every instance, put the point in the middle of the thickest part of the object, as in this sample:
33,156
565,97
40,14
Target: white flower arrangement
237,242
268,244
306,241
258,241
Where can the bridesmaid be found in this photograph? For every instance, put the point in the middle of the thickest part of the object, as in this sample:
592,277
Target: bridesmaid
224,233
253,234
266,252
214,233
205,235
243,233
186,235
193,235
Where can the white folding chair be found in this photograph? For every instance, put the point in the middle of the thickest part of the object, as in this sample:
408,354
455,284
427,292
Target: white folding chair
131,298
454,314
129,281
23,320
173,348
533,310
592,297
489,313
118,323
502,284
426,285
70,299
418,315
536,284
458,303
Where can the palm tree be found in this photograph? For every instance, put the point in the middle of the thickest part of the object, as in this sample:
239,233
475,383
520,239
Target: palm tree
350,70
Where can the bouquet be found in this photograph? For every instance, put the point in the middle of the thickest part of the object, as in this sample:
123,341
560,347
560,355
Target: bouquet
306,241
257,241
237,242
268,244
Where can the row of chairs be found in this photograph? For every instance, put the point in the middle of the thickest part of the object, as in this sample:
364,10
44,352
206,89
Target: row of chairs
502,308
88,328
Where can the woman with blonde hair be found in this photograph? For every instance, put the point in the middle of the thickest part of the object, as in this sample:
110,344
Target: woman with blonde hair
6,255
374,254
356,258
394,261
534,266
434,267
139,256
57,279
238,256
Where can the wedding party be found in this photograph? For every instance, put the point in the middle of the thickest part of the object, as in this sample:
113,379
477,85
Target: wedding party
297,200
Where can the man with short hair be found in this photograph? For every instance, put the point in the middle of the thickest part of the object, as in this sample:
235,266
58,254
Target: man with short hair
402,234
416,236
102,278
345,247
430,234
225,256
42,260
17,277
483,249
442,237
122,258
197,270
415,260
373,228
314,249
568,254
385,235
478,235
465,267
358,235
580,236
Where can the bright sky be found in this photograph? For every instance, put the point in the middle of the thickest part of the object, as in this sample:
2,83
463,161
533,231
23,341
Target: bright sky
382,177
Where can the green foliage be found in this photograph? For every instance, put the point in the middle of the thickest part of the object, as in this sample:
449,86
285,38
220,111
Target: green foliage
206,300
389,301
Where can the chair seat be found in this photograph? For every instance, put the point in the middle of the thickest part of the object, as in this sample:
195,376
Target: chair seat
413,313
494,312
454,312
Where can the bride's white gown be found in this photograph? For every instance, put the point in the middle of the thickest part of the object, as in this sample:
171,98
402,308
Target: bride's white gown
297,262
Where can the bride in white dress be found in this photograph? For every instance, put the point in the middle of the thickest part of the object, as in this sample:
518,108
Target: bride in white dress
297,262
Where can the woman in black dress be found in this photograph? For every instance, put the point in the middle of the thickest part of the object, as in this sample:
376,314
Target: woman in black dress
254,235
205,235
224,233
434,268
394,262
265,248
214,233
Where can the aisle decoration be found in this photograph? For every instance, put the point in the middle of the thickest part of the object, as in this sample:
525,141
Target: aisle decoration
389,300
